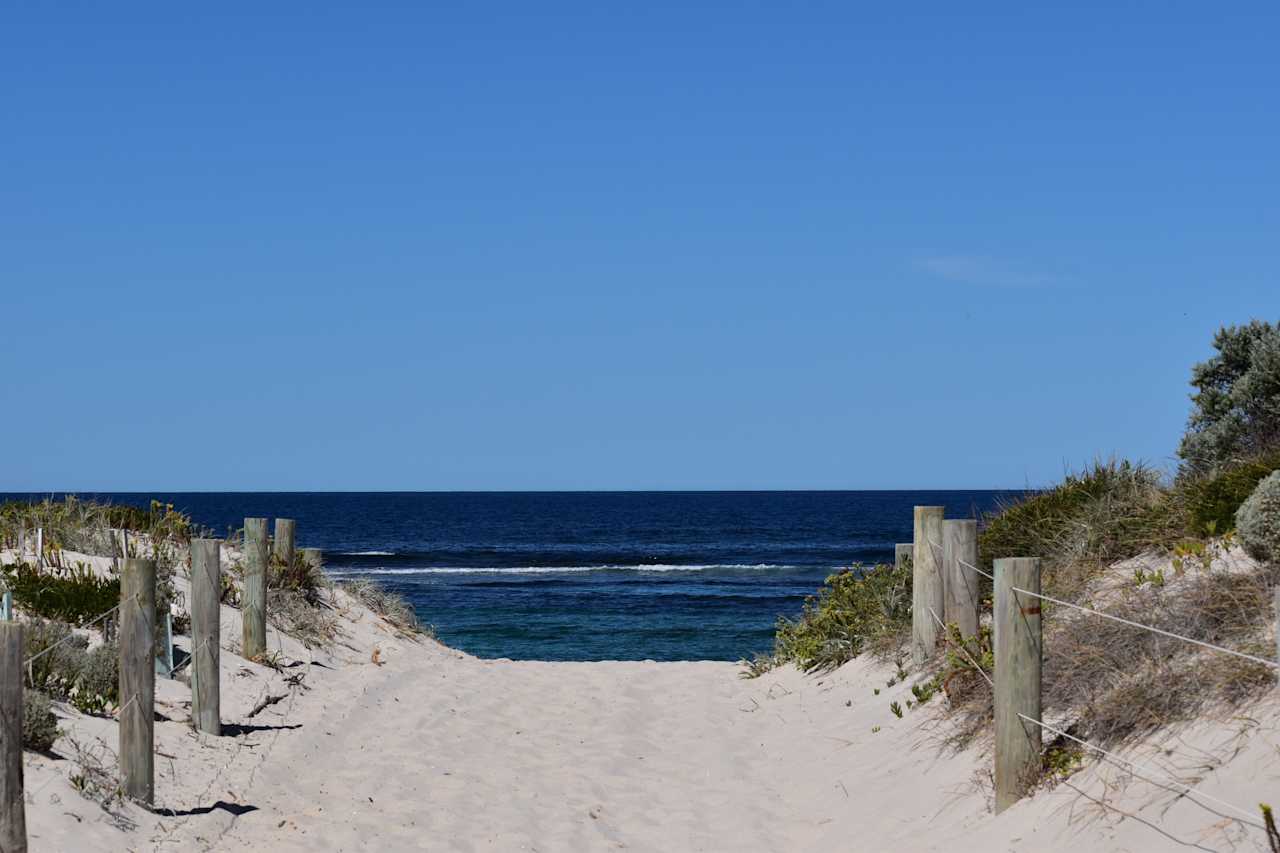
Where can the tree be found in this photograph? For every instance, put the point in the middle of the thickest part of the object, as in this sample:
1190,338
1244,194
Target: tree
1236,405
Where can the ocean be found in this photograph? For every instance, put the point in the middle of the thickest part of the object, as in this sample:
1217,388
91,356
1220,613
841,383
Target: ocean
591,575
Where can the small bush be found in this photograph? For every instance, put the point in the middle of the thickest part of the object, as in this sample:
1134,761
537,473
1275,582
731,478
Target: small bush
1258,521
857,610
39,725
97,684
297,575
1111,511
1212,500
73,595
61,656
393,607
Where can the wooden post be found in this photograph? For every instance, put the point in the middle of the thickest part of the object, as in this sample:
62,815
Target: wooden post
313,557
13,812
1017,687
254,603
206,634
39,547
960,542
284,544
926,582
901,554
138,679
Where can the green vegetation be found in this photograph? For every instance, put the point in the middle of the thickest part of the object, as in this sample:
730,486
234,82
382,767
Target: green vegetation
73,594
1212,499
39,725
390,606
1259,520
67,669
857,610
1235,413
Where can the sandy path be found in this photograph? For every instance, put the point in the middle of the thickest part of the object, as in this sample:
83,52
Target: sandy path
475,755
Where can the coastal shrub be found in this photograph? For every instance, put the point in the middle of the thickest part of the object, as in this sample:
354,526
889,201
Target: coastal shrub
1112,510
1235,412
391,606
856,610
39,725
1258,520
73,595
297,575
307,619
56,656
97,683
88,526
1211,500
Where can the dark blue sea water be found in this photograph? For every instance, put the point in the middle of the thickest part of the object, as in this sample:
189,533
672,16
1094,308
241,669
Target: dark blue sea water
592,575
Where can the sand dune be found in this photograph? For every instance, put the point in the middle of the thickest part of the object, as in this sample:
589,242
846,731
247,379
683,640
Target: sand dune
430,749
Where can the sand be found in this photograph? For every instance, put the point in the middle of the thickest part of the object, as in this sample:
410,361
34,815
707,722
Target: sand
431,749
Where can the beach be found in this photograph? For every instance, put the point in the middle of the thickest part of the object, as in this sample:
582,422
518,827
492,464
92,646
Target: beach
393,742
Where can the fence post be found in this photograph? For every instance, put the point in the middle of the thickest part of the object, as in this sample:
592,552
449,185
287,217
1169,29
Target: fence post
254,604
960,542
138,678
284,541
39,547
926,582
13,813
901,555
313,557
206,634
1017,682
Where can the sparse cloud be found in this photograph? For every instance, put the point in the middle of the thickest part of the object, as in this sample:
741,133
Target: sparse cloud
981,270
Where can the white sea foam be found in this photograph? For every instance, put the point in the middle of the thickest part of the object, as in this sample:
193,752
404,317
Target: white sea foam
366,554
551,570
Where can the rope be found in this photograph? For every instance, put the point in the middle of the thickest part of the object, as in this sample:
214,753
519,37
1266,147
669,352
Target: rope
976,569
27,663
1153,630
961,649
1189,790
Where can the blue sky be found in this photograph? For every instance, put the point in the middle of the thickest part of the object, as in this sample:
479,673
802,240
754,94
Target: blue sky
559,246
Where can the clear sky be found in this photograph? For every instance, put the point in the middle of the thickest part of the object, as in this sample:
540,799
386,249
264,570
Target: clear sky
602,245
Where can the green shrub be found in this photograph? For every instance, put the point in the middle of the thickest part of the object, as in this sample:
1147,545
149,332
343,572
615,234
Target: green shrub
1212,500
61,656
1236,406
73,595
1258,521
39,725
1113,510
97,684
857,610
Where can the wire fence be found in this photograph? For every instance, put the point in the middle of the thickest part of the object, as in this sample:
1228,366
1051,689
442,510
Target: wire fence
1245,816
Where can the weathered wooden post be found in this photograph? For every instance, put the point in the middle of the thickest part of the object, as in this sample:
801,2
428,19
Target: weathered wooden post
926,581
960,542
1017,682
254,605
313,557
206,634
138,678
284,541
13,813
901,555
39,547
